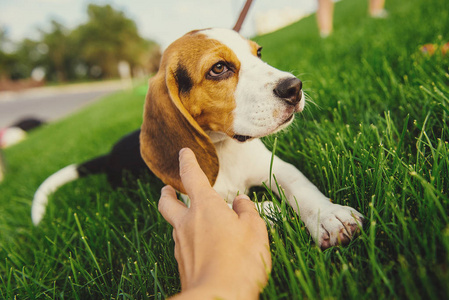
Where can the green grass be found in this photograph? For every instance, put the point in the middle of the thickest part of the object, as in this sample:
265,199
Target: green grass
376,139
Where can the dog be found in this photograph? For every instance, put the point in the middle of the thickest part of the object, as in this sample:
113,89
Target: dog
215,95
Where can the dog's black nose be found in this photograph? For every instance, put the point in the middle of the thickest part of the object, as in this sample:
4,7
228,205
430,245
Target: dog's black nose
289,89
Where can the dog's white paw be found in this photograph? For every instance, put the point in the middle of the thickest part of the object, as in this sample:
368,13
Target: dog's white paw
334,225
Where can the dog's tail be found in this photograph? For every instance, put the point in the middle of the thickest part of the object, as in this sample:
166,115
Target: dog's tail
60,178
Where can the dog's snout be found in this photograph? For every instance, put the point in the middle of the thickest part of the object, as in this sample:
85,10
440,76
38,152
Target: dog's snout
289,90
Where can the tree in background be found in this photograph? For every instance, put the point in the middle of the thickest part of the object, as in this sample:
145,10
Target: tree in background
7,60
107,38
92,50
56,52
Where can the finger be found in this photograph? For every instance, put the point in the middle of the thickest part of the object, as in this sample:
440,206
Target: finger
242,205
193,178
169,205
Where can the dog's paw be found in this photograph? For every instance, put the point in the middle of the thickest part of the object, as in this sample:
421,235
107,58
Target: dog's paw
335,225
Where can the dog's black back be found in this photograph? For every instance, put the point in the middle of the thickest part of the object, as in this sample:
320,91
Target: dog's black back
124,158
122,162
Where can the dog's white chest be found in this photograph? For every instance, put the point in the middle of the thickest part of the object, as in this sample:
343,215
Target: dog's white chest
239,162
229,187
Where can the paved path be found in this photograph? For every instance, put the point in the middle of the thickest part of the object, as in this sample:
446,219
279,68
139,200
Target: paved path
51,103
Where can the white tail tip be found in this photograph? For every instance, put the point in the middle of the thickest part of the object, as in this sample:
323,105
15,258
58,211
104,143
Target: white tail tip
50,185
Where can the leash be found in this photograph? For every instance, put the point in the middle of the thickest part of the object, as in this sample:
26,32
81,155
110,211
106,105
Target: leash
243,13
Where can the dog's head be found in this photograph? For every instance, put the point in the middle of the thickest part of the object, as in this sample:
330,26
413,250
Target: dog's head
212,80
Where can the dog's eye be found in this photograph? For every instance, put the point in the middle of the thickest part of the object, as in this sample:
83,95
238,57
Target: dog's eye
259,52
218,69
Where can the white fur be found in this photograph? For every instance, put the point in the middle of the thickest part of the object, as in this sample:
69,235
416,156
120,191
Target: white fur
47,187
244,165
259,112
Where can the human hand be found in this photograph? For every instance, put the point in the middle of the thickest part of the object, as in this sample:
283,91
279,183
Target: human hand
221,253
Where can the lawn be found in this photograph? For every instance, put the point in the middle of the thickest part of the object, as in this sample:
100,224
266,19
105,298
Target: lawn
373,136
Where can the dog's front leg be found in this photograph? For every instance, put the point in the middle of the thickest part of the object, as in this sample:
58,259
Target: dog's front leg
329,224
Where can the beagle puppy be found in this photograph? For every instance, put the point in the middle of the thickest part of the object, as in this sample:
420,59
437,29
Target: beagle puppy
215,95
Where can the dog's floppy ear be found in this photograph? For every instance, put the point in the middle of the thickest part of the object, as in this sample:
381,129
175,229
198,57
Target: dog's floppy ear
168,127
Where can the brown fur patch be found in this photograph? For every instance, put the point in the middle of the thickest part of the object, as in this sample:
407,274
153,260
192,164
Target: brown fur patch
210,102
254,47
177,114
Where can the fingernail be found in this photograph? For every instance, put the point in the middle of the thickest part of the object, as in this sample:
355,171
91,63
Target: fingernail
182,150
167,187
242,196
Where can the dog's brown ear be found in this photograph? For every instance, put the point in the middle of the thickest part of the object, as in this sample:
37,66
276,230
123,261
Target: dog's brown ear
168,127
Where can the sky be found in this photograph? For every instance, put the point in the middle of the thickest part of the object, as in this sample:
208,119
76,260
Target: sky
159,20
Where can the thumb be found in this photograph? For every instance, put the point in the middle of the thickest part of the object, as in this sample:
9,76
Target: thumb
169,205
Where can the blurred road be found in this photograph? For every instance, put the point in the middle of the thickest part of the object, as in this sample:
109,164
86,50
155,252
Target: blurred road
51,103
